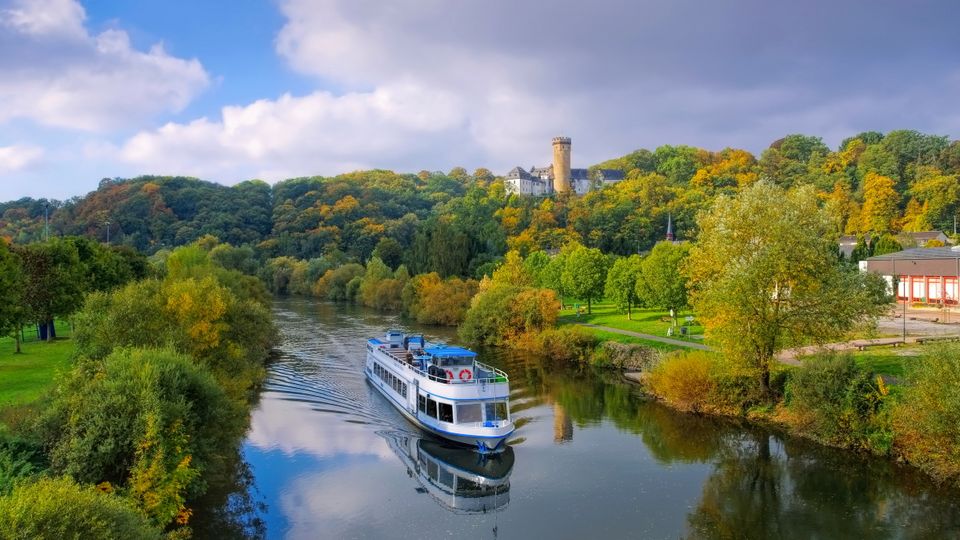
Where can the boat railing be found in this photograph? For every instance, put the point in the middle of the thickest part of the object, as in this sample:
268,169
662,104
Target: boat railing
496,375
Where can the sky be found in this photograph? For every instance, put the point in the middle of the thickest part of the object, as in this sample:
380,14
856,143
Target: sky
233,90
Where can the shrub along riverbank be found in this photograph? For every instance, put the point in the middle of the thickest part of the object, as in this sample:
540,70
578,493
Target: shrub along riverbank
154,404
833,400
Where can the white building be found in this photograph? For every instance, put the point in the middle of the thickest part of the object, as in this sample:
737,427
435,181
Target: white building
538,181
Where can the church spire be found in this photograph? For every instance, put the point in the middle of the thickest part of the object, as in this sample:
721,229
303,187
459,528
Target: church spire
669,228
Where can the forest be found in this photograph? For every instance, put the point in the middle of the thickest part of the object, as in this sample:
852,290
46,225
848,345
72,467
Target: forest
462,224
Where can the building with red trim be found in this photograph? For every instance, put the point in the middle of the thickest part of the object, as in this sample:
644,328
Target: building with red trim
925,275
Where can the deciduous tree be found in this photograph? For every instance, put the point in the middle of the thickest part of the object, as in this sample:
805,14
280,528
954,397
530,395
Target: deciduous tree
765,276
585,274
621,286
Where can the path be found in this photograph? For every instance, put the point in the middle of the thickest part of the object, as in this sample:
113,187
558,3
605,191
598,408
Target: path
649,337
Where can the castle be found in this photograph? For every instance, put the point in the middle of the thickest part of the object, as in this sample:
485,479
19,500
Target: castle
558,177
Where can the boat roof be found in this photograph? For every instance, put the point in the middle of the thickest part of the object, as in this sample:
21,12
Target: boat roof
449,351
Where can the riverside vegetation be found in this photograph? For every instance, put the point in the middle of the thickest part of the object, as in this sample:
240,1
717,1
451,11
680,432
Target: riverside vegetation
761,277
153,405
457,249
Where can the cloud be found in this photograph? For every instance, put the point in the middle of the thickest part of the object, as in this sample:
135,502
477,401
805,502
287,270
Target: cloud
57,74
17,157
432,84
274,139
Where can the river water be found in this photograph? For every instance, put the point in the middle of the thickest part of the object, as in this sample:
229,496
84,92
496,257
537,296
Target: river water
327,457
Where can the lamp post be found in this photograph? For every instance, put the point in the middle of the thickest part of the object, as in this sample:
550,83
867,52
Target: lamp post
107,223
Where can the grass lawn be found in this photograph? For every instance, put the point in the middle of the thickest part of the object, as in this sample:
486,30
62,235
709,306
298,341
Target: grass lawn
647,321
886,360
24,377
620,338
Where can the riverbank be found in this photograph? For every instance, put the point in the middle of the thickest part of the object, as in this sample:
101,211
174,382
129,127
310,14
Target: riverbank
908,414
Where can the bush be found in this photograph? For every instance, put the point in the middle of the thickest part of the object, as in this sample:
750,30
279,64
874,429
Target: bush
60,509
19,460
336,284
431,300
631,356
683,380
566,344
836,402
927,417
736,388
199,317
147,421
503,314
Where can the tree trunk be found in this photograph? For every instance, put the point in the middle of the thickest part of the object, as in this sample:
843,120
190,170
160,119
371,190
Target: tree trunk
765,378
589,311
17,337
629,311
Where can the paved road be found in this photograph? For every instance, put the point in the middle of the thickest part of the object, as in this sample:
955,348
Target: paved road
650,337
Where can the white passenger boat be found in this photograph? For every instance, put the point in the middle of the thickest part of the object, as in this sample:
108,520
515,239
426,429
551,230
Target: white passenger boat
443,389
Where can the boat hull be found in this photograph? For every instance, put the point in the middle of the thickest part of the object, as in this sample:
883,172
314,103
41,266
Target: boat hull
492,441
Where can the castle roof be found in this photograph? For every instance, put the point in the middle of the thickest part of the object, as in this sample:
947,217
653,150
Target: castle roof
579,174
610,174
517,172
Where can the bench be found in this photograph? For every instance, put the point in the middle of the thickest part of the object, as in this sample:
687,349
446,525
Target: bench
864,345
934,339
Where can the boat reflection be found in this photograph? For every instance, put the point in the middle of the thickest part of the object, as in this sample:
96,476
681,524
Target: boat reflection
459,479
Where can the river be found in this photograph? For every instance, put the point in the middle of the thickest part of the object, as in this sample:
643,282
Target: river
327,457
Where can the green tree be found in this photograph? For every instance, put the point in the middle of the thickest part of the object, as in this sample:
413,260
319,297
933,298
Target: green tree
883,245
53,281
551,276
621,286
585,274
11,288
534,265
764,275
661,282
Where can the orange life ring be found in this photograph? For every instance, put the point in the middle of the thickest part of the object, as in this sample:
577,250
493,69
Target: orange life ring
449,374
468,375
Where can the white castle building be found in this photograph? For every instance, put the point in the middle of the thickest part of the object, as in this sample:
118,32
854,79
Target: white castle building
558,177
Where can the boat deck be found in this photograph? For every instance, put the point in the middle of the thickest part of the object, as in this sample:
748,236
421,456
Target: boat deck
485,374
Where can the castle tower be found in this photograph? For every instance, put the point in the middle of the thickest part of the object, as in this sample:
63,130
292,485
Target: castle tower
561,164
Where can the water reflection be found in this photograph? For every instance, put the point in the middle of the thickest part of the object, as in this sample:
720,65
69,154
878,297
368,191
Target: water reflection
459,479
331,459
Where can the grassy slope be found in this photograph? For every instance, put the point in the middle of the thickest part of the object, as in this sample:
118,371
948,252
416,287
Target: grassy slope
647,321
620,338
24,377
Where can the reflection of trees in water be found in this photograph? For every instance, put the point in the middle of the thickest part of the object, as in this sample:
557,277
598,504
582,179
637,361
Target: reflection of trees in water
762,485
765,487
231,508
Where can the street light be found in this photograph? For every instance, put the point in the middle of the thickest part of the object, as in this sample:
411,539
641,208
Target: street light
107,223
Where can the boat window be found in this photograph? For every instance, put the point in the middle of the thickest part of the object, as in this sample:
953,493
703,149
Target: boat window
495,410
422,403
446,411
431,408
468,413
446,478
403,389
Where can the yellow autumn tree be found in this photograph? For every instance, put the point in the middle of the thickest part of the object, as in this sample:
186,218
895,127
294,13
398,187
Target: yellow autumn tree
197,306
880,200
731,168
